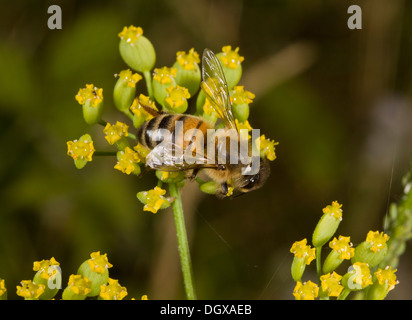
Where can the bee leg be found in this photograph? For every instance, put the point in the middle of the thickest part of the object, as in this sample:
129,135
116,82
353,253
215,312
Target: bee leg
194,174
224,187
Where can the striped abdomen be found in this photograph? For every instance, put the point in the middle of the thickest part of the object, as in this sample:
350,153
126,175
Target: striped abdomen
179,127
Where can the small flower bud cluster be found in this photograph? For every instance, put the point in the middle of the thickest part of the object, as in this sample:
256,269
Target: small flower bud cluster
169,89
91,281
363,272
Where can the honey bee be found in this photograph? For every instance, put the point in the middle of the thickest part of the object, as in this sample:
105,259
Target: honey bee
177,141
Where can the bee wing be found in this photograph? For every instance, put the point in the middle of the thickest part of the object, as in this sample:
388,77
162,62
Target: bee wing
169,156
215,87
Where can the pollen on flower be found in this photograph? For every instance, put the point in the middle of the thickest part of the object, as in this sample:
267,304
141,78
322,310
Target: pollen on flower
377,240
138,110
79,285
44,267
188,61
241,96
99,262
330,283
127,161
387,276
154,199
301,250
90,93
30,290
130,77
231,58
334,210
115,132
81,149
362,275
343,246
306,291
131,34
266,147
164,75
113,290
176,96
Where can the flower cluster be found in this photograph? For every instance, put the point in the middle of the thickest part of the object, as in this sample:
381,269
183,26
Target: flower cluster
91,281
363,271
169,89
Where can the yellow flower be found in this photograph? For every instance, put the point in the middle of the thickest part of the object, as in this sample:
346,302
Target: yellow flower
115,132
130,77
99,262
188,61
81,149
79,285
343,246
127,161
241,96
377,240
387,276
306,291
176,96
266,147
360,276
330,283
231,58
164,75
142,151
30,290
90,93
334,210
44,267
139,111
244,125
144,297
3,289
113,290
153,199
301,250
131,34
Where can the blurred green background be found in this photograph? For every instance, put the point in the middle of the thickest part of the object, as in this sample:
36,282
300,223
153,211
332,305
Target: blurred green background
337,100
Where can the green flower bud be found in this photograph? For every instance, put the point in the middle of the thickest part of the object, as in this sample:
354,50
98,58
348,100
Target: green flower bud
96,270
163,78
209,187
200,102
77,289
331,262
81,150
358,277
341,250
188,71
125,90
91,99
176,99
231,65
241,111
385,281
136,50
327,225
154,199
303,255
298,268
52,285
373,250
170,176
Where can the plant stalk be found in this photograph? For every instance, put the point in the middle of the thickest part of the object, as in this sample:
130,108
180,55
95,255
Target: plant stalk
182,242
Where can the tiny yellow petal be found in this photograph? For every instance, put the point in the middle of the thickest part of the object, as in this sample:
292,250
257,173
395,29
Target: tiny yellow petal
301,250
113,290
164,75
231,58
99,262
131,34
115,132
90,93
306,291
188,61
334,210
343,246
377,240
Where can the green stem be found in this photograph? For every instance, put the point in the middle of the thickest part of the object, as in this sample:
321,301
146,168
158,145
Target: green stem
318,261
345,292
148,78
182,242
